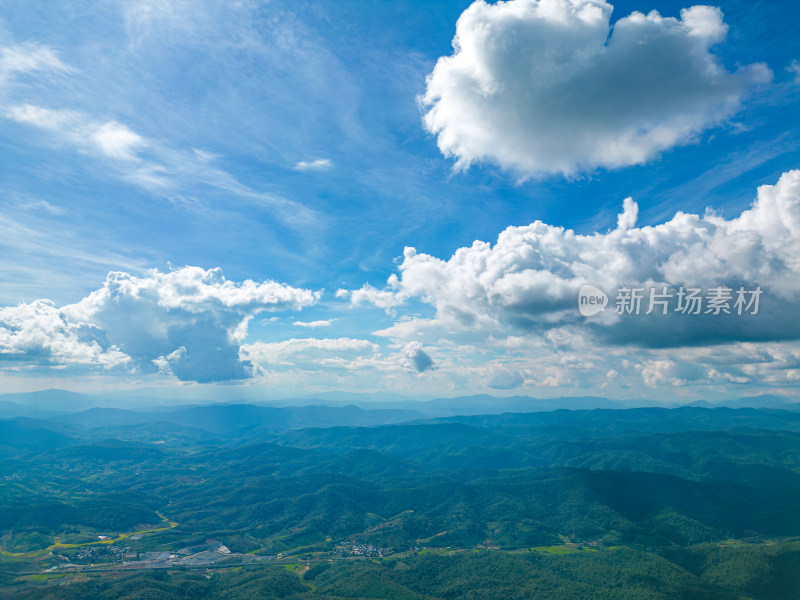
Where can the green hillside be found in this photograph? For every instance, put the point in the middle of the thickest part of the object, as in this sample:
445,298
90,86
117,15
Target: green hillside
645,503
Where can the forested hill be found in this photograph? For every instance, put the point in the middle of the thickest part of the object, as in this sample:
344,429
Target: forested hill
645,496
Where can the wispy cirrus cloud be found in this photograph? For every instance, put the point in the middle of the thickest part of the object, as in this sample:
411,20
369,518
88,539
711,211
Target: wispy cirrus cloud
39,239
109,139
148,162
794,69
151,165
30,57
314,324
320,164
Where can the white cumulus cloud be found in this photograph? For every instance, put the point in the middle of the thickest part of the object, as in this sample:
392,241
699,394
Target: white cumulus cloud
415,357
189,322
529,280
548,86
40,332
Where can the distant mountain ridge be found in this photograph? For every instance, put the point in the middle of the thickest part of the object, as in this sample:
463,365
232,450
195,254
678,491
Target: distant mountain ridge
45,403
221,419
54,402
478,404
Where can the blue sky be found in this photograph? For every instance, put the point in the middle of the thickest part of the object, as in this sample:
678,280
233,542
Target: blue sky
214,195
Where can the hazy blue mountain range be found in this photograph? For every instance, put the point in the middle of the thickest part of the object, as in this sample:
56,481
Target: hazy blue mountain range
48,403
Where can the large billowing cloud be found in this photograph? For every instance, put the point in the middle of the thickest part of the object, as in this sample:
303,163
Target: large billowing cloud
528,281
189,322
547,86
